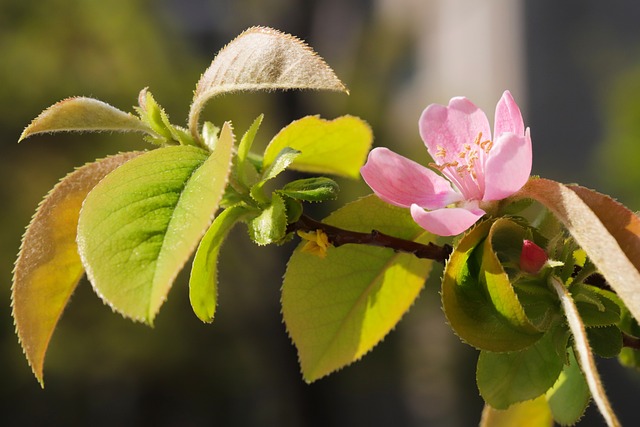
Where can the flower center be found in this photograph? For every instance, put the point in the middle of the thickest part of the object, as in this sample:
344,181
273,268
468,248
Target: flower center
465,169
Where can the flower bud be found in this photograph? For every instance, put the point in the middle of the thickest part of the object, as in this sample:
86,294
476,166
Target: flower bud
532,258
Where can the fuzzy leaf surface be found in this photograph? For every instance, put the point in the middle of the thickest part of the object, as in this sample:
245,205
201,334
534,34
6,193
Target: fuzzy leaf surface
262,59
569,396
338,308
48,267
84,114
338,146
138,226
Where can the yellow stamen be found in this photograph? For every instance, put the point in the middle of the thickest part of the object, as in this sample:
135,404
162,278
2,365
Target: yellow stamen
441,152
317,242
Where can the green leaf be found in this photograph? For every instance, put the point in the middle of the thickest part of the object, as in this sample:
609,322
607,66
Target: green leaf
532,413
84,114
607,231
285,158
569,396
337,147
605,341
262,59
317,189
203,283
595,308
339,307
270,225
477,296
141,223
48,267
508,378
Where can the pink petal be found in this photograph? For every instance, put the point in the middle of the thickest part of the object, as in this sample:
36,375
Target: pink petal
447,221
508,166
452,127
403,182
508,117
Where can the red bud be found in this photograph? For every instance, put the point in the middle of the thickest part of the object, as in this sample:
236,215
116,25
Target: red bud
532,257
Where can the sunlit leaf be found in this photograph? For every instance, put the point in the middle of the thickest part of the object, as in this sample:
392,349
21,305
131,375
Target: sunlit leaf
281,163
48,266
508,378
262,59
84,114
532,413
338,146
478,298
203,282
607,231
339,307
138,226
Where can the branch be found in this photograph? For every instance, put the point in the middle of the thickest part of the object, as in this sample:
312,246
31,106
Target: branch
338,237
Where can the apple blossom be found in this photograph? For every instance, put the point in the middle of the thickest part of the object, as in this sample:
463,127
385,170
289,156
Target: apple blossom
476,168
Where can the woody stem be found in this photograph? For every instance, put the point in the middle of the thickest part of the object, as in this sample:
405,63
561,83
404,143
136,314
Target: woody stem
338,237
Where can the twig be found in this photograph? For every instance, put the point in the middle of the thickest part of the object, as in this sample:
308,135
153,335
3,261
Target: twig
338,237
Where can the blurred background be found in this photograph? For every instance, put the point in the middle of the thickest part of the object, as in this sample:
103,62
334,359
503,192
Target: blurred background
573,67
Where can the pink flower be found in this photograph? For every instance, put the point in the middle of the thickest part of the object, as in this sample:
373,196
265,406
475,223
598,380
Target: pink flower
476,169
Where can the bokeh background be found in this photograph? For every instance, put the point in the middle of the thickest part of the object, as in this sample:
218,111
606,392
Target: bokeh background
573,66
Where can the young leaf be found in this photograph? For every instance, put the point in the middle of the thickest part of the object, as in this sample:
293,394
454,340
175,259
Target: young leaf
339,307
140,224
316,189
478,298
532,413
245,172
338,146
607,231
84,114
270,225
262,59
569,396
508,378
48,267
282,162
203,283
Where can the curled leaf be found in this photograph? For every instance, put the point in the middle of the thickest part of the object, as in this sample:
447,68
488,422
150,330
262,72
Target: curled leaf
84,114
262,59
48,267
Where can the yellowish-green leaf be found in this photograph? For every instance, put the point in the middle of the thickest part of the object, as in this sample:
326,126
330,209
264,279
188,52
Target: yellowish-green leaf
607,231
569,396
84,114
338,146
262,59
138,226
533,413
339,307
48,266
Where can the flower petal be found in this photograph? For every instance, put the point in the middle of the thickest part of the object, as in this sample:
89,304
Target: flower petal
508,166
447,221
403,182
508,117
452,127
